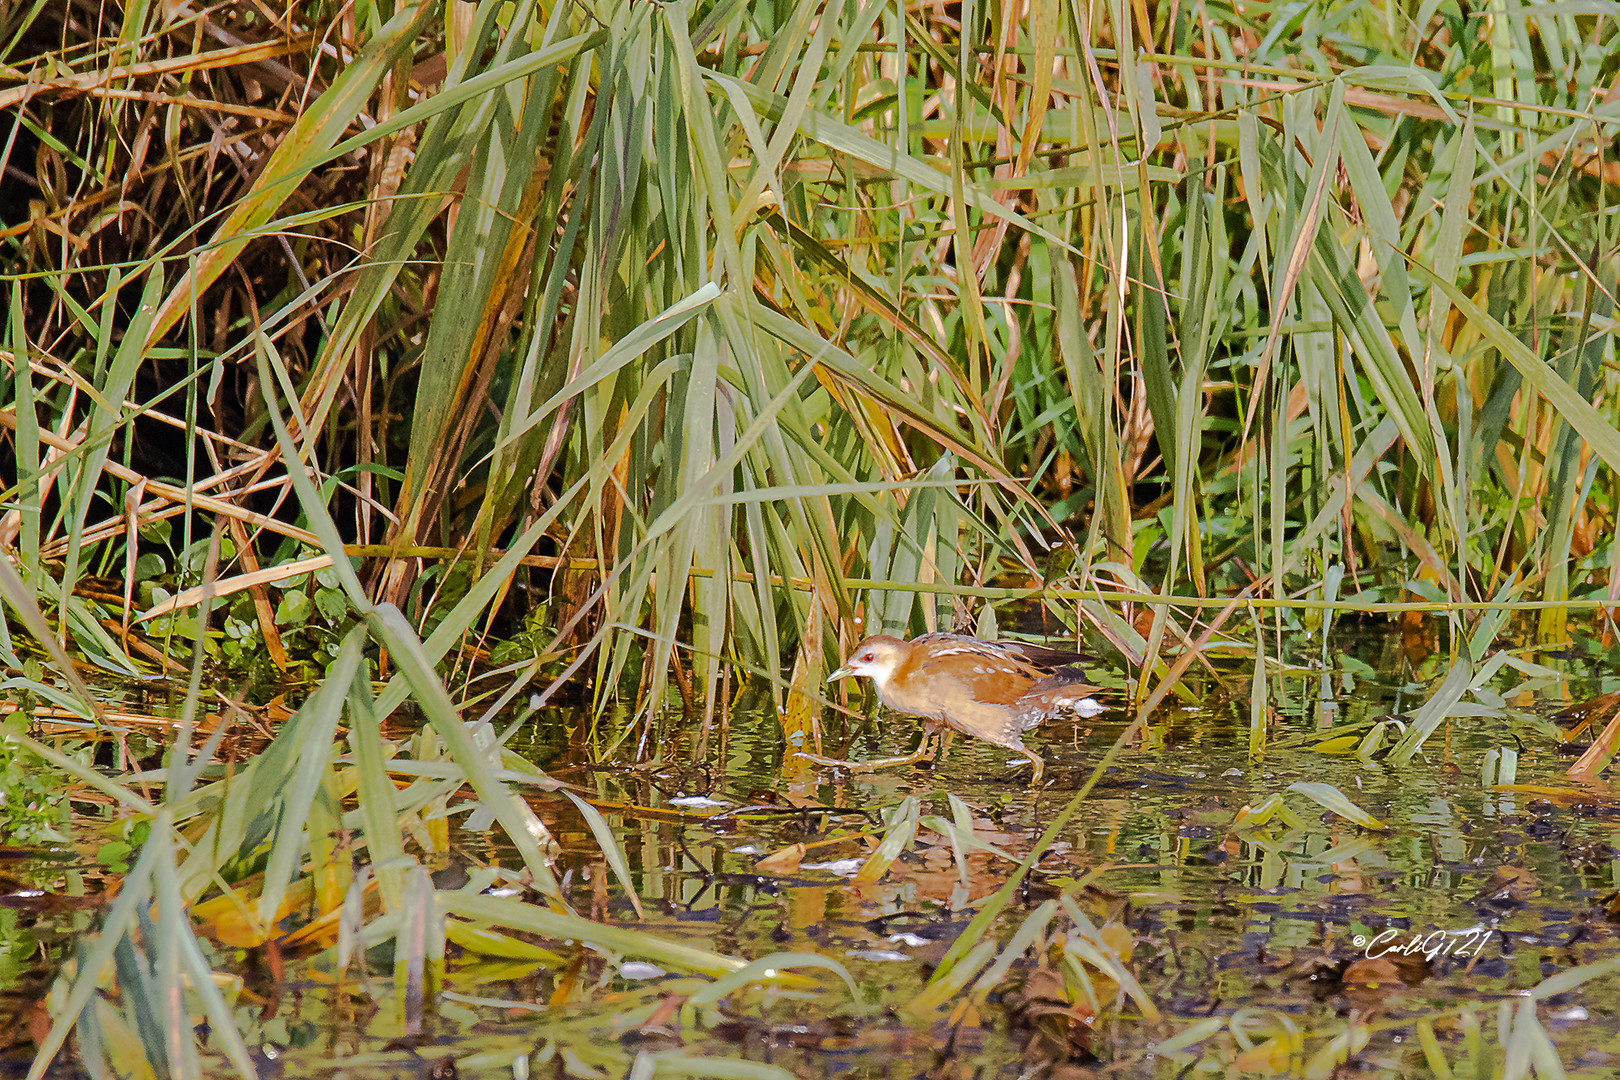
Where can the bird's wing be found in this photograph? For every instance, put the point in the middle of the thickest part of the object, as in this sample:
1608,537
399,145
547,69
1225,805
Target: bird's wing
977,675
1041,656
940,643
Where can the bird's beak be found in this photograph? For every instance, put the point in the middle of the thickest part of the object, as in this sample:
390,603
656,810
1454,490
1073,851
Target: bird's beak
840,673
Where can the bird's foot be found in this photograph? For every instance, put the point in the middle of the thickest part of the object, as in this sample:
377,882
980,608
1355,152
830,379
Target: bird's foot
1036,762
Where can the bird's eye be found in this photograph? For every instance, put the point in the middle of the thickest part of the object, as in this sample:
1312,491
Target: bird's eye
869,657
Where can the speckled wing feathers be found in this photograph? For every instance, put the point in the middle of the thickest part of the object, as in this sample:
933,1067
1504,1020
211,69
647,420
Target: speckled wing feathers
942,644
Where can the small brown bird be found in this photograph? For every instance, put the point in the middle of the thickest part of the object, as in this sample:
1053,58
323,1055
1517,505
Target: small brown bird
993,690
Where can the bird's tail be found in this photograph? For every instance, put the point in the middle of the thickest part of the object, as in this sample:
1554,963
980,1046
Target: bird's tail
1057,694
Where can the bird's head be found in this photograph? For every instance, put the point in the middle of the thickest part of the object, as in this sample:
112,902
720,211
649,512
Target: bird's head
876,658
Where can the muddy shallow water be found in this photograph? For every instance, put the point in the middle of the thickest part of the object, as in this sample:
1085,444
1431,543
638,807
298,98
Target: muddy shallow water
1433,931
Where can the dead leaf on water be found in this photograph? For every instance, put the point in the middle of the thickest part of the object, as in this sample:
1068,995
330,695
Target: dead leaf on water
1513,884
1272,1056
784,861
1377,971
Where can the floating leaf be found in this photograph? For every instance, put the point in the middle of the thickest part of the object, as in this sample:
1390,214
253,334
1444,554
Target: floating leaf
1331,798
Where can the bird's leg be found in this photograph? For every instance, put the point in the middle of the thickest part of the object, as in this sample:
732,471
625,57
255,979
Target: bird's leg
922,751
943,745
